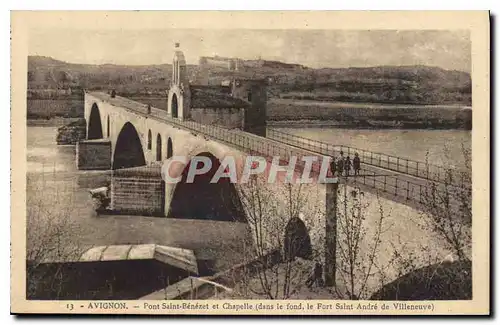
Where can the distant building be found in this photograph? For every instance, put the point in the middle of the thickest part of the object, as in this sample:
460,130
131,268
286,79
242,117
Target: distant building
234,103
231,64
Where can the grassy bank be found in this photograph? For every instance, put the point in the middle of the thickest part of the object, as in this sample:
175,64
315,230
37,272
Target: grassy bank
303,113
368,124
298,113
57,121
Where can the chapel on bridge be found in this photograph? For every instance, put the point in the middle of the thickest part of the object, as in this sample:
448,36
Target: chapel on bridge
239,103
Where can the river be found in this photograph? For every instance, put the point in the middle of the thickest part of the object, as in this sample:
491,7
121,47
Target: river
443,147
57,190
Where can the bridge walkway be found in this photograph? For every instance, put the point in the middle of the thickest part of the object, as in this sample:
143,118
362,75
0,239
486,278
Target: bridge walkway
405,179
399,165
396,185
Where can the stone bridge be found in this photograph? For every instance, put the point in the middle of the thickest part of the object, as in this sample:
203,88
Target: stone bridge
134,140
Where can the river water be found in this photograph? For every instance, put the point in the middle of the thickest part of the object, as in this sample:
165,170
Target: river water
56,188
443,147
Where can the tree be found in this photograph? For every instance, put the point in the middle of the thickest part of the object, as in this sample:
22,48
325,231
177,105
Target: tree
62,78
279,258
447,206
447,213
50,238
357,250
418,269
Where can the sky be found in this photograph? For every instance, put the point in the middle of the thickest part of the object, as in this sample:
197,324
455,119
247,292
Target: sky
447,49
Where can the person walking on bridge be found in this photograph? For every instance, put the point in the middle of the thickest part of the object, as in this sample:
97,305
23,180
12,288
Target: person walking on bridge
356,164
347,165
340,164
333,166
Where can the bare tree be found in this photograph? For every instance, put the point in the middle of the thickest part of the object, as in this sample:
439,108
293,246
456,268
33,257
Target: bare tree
447,213
447,207
273,271
51,238
357,250
358,246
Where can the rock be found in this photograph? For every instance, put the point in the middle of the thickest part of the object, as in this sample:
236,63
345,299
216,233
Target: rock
71,133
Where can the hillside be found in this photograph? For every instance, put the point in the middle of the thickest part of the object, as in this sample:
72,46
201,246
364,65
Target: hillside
384,84
47,73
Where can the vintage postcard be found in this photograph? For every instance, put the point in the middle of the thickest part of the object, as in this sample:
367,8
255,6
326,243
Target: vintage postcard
250,163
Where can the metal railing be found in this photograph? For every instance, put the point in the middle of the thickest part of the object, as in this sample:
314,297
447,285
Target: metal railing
240,140
406,166
405,189
271,147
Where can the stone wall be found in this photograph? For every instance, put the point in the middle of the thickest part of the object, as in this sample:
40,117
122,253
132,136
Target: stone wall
93,155
226,117
255,92
138,191
404,233
50,108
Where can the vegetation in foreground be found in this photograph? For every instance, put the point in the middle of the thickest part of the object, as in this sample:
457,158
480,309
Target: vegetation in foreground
409,273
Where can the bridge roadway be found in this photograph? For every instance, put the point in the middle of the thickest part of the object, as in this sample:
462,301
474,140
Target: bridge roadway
406,189
392,175
397,186
419,169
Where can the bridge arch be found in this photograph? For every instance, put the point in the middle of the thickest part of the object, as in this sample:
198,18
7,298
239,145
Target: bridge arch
170,148
204,200
94,130
158,148
128,149
297,242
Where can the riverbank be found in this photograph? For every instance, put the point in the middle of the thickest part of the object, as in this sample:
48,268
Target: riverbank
69,130
309,113
299,113
368,125
54,122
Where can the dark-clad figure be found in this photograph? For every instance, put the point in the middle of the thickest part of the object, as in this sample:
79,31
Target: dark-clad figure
316,276
356,164
333,166
347,165
340,164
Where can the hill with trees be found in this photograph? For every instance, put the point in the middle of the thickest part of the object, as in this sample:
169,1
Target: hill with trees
383,84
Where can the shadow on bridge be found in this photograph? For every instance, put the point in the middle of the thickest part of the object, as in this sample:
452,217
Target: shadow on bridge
95,124
128,150
201,199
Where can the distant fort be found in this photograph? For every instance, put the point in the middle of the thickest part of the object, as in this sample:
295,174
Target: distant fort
236,64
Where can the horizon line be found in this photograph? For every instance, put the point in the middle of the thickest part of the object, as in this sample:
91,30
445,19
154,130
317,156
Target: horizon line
263,59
